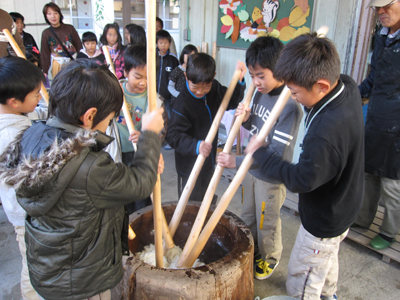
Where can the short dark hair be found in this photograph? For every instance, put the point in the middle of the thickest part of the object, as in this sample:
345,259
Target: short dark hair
136,33
200,68
189,48
163,34
307,59
103,37
83,84
56,8
17,15
89,36
134,57
264,51
18,77
161,22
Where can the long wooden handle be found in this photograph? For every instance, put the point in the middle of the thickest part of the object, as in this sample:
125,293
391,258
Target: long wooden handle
180,208
237,180
18,51
205,205
152,96
125,109
131,233
241,173
214,50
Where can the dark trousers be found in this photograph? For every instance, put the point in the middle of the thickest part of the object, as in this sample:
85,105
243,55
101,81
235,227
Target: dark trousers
127,159
199,189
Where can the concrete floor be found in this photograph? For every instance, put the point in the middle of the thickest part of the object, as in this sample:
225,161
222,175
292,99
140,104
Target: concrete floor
363,275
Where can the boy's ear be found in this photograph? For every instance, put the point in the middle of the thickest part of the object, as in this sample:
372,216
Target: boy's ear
324,85
185,76
88,117
125,74
13,102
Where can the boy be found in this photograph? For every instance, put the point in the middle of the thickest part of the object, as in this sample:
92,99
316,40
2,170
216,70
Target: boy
330,172
191,118
72,190
264,196
20,82
166,62
89,41
160,26
135,91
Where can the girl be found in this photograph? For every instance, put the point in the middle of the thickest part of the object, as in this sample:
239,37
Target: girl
134,34
113,40
177,79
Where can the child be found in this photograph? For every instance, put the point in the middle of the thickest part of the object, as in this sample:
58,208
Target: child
160,26
134,34
330,172
191,119
177,79
89,41
166,62
264,196
113,40
135,90
72,190
20,83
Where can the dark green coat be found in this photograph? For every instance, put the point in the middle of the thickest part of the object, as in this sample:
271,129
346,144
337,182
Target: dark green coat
74,194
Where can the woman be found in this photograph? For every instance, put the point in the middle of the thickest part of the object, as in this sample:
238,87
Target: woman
29,41
57,36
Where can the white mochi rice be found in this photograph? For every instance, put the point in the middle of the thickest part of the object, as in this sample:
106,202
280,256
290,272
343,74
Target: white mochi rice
171,257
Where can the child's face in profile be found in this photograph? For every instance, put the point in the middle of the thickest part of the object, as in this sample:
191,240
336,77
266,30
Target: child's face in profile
112,36
127,36
158,26
163,46
137,80
90,47
263,79
31,101
304,96
199,89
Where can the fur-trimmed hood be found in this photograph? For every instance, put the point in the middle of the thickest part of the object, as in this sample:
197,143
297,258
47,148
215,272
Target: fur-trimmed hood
33,161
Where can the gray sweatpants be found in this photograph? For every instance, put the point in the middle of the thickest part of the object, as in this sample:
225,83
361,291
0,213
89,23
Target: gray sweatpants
262,202
389,191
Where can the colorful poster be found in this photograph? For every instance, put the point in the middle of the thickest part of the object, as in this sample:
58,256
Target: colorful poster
241,21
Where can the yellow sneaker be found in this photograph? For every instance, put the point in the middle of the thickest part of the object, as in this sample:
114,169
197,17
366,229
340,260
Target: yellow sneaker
264,270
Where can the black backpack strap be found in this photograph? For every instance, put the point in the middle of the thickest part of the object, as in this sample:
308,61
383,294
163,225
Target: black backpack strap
62,45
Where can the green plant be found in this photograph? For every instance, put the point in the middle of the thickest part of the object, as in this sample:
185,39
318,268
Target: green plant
99,10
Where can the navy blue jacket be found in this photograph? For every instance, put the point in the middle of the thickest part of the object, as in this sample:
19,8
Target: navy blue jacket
190,122
165,65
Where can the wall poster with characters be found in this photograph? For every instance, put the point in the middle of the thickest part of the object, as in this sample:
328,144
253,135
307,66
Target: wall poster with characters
240,22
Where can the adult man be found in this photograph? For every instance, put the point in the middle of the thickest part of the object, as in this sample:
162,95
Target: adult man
382,128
